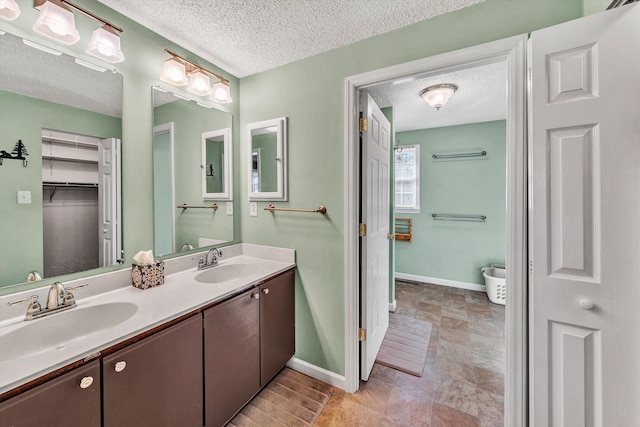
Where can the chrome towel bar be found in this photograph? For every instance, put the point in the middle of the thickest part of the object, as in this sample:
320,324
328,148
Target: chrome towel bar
456,217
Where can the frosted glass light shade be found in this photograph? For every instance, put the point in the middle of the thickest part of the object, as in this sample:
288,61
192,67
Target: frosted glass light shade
9,9
105,44
57,23
174,72
199,83
438,95
221,93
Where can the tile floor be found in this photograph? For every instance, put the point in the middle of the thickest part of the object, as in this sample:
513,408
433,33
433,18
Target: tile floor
463,381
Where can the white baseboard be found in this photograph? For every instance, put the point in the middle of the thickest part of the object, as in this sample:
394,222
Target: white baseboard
317,372
441,282
393,305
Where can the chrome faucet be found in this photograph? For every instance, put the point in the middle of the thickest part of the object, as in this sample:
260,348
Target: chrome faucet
210,259
59,299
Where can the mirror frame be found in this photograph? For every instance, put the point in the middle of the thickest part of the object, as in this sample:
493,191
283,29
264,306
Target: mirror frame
281,159
227,165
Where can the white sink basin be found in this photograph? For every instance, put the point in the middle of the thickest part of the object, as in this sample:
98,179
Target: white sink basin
225,273
58,330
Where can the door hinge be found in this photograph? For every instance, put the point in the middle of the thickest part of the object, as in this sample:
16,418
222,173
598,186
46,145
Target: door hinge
391,236
530,266
362,230
363,124
362,334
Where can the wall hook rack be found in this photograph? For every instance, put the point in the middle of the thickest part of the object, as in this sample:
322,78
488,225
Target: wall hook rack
19,152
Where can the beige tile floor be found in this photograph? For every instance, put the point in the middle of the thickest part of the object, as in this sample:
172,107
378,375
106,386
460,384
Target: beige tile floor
463,381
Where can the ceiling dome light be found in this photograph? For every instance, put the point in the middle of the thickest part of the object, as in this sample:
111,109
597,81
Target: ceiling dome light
221,93
9,9
174,72
56,21
199,83
438,95
105,44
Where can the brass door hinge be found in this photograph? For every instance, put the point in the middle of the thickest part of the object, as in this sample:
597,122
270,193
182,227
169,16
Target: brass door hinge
362,334
362,230
363,124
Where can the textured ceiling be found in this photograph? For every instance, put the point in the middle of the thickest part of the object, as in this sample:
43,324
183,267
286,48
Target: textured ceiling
31,72
245,37
481,97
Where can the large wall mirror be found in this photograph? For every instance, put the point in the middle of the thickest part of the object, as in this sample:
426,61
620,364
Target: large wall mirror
192,156
267,148
67,113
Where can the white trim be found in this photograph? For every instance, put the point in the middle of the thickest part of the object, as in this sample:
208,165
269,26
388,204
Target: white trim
511,50
158,130
316,372
441,282
393,305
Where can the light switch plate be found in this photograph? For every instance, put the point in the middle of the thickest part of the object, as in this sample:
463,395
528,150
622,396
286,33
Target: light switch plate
24,197
229,208
253,209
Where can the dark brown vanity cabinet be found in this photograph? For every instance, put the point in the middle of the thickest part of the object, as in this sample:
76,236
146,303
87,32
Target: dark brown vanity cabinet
72,399
247,341
277,325
156,381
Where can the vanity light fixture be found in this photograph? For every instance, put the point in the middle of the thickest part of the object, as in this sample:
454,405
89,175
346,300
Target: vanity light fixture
57,21
199,83
179,71
438,95
9,9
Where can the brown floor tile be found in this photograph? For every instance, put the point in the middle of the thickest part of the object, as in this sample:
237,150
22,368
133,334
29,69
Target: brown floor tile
444,416
456,353
353,414
459,395
455,313
455,371
490,409
453,323
490,381
455,335
383,373
407,409
373,394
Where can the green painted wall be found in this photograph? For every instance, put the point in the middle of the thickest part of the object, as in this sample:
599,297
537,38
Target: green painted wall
456,250
144,59
189,122
310,93
23,118
595,6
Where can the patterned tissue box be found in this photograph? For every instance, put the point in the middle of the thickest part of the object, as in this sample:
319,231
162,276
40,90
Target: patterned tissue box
147,276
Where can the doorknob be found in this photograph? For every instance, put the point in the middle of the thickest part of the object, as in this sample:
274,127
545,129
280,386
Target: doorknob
586,304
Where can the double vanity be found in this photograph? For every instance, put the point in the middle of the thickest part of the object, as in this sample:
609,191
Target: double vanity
190,352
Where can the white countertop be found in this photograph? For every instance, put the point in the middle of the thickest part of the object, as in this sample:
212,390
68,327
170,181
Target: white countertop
179,295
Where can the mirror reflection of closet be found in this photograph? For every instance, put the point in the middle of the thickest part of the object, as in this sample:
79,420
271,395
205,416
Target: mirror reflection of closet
81,202
268,162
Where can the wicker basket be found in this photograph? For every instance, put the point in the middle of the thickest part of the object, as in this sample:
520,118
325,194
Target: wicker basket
147,276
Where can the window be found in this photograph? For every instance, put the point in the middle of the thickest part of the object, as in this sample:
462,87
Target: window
407,185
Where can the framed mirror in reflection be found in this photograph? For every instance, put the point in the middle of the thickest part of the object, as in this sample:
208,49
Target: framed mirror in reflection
267,147
68,116
192,166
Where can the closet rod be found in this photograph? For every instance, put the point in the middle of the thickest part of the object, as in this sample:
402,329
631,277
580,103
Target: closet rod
459,155
321,210
456,217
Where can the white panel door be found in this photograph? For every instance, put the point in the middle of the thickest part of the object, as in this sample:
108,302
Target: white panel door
374,297
109,199
585,222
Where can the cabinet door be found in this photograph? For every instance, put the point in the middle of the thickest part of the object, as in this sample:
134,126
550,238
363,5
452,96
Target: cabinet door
277,325
157,381
72,399
231,356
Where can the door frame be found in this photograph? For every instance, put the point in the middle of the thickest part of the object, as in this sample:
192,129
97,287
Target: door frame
159,130
512,51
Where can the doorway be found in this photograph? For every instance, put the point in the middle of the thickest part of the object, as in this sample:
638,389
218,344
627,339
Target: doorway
512,52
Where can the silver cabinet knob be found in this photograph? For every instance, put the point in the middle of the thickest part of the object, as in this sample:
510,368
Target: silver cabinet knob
255,295
86,382
120,366
265,291
586,304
